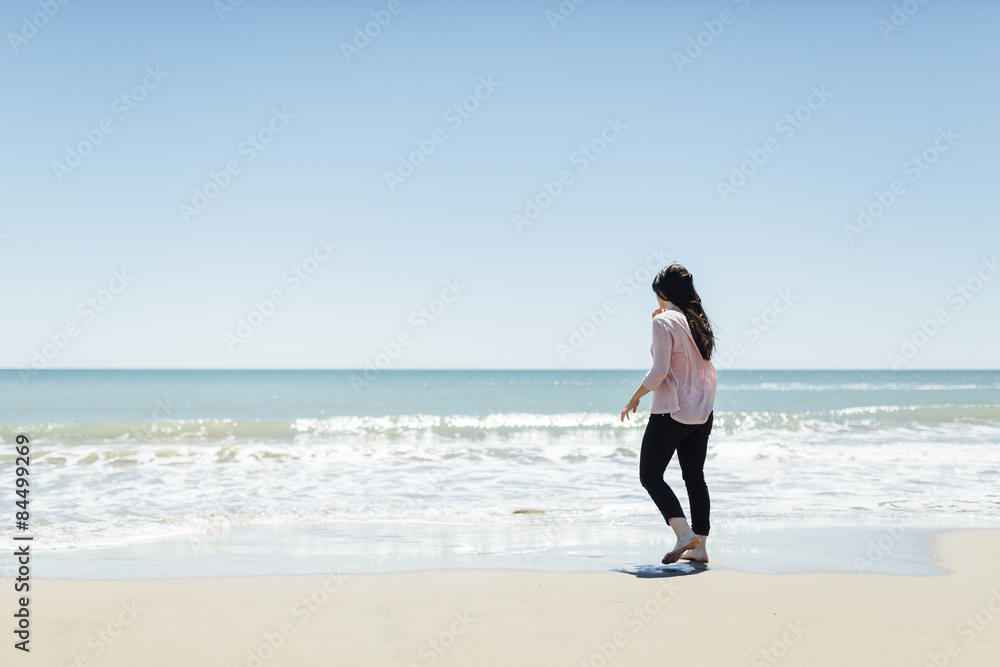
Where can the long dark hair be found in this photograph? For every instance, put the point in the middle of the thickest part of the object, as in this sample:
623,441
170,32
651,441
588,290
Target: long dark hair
675,284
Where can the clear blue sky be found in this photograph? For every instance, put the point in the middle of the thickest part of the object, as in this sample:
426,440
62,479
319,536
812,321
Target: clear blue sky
680,130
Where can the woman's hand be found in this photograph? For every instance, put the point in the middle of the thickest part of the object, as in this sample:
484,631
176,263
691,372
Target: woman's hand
658,311
633,404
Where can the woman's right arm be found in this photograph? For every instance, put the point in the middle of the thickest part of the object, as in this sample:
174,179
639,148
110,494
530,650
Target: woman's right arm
633,403
662,344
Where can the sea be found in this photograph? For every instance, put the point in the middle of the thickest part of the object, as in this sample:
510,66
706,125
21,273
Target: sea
174,473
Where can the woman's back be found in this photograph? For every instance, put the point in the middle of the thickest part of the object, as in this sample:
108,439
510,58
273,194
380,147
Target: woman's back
687,391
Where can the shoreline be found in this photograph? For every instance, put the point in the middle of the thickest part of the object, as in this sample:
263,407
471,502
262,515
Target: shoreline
501,617
371,548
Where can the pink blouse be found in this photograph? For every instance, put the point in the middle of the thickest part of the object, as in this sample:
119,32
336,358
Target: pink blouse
683,384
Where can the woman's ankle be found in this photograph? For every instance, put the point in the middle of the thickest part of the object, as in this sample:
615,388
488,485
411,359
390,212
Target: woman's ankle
681,527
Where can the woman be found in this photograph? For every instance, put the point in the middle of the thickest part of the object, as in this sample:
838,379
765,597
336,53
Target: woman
683,381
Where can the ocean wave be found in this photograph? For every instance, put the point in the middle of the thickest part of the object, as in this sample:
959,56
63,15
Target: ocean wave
497,426
856,386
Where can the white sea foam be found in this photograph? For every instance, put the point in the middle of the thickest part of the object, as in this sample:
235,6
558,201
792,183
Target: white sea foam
496,426
201,477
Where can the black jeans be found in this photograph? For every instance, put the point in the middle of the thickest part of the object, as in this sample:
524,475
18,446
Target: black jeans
663,435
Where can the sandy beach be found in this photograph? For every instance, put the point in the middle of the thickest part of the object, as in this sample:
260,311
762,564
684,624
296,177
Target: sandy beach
519,617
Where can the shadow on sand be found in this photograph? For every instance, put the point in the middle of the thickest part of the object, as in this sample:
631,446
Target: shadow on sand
658,571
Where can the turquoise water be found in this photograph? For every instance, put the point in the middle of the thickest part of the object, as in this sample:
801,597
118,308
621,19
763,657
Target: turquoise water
125,458
118,396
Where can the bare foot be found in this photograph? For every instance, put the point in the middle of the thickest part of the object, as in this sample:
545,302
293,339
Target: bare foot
699,553
685,543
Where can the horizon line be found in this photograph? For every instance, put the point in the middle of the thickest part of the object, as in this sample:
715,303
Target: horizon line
499,370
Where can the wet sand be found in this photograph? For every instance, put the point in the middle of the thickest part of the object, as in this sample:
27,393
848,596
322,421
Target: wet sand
718,616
